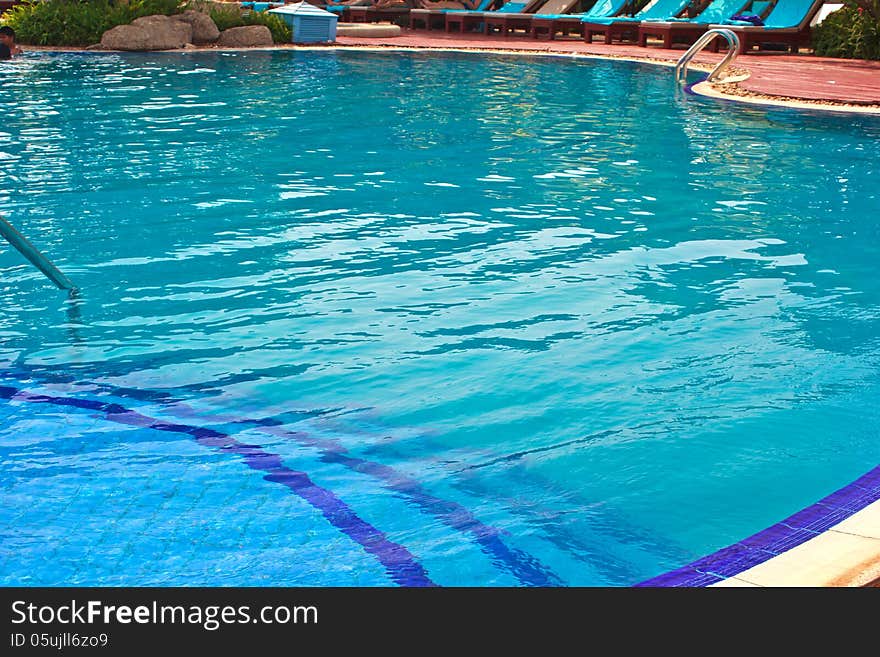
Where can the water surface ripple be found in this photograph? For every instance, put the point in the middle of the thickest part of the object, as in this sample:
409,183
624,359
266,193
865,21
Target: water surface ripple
535,321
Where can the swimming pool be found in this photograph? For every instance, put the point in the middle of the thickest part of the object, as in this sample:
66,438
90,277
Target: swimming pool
420,319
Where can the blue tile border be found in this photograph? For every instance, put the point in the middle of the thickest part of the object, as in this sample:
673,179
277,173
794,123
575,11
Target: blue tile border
798,528
727,562
401,566
528,570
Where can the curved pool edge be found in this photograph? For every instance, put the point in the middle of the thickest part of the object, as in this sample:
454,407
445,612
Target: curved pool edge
832,543
701,89
711,90
768,68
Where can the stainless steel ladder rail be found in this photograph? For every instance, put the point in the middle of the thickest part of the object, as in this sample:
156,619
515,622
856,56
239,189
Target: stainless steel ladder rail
733,50
33,254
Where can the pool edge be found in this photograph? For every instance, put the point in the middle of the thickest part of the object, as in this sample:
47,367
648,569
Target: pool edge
834,542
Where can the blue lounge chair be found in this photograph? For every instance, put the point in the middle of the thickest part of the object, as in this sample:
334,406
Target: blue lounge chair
756,9
260,6
565,23
510,17
689,30
340,8
437,17
621,26
788,23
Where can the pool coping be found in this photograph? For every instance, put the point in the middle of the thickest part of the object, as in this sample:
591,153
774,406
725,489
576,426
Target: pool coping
834,542
717,90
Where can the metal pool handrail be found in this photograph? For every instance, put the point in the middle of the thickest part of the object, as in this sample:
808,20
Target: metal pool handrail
33,254
732,51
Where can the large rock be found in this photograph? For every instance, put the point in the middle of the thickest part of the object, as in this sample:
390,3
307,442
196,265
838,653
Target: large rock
204,29
247,36
148,33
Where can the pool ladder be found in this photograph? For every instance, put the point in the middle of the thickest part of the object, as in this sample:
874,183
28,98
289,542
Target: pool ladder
733,48
33,254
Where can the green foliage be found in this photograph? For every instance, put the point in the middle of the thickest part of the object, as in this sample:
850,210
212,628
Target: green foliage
226,17
82,22
852,32
870,6
77,22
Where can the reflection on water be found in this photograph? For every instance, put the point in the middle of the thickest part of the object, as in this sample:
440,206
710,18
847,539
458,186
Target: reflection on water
600,317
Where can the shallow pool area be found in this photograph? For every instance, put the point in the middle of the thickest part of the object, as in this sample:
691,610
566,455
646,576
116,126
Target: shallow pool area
354,319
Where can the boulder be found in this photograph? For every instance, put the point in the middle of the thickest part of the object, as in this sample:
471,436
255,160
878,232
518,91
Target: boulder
204,29
155,32
247,36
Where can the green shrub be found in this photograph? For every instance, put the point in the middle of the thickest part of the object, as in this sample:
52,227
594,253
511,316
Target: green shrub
82,22
852,33
226,17
78,22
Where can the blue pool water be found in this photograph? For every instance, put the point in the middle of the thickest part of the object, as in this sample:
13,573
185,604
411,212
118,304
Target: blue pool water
377,319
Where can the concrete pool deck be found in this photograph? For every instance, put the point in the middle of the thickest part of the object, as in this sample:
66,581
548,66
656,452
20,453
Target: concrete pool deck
847,554
775,78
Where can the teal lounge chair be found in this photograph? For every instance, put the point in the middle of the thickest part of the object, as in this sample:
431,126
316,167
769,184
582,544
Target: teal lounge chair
260,6
339,8
567,22
788,23
437,17
620,27
510,17
757,8
689,30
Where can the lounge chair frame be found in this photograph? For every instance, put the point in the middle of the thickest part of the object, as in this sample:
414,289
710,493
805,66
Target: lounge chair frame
684,31
794,38
371,14
572,23
504,22
435,18
626,27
